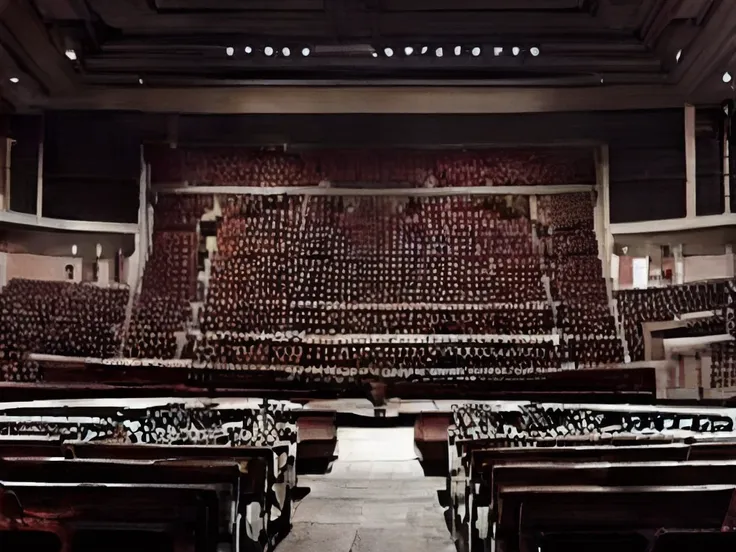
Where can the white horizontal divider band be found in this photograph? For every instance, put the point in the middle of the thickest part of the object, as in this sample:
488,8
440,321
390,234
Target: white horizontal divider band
552,189
673,225
411,307
339,339
25,219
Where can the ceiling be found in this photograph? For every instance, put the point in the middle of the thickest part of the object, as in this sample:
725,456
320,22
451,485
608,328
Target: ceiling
210,55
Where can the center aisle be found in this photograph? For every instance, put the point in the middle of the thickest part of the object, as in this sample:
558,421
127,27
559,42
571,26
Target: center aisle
375,499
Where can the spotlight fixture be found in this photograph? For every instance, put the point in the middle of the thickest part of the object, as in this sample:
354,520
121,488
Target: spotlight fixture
516,50
438,52
230,51
306,52
458,50
71,54
14,80
248,50
475,51
408,50
678,55
497,50
534,51
286,51
424,49
388,51
268,51
726,77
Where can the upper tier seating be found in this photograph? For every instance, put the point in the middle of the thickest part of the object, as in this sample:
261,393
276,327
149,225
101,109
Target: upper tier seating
57,318
496,167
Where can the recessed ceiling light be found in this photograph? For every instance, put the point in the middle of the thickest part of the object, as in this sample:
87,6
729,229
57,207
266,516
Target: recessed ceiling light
248,50
230,51
268,51
14,80
458,50
71,54
678,55
497,50
388,51
516,50
140,81
438,52
424,49
306,52
475,51
408,50
534,51
286,51
374,54
726,77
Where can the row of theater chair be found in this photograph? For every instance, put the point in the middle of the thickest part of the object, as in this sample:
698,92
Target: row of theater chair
149,460
585,491
160,497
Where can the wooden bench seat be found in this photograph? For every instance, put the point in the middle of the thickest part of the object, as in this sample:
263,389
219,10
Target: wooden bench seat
233,486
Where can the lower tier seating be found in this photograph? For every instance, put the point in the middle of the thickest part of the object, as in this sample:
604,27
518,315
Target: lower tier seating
204,477
57,318
548,474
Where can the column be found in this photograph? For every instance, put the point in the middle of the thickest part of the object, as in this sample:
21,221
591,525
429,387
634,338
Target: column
690,162
679,264
603,210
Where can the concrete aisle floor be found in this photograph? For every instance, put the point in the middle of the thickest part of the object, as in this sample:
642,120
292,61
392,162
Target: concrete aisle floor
376,498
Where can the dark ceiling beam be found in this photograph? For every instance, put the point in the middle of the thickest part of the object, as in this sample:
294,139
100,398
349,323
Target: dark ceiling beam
239,5
198,44
169,64
316,100
589,80
17,93
62,10
480,5
25,34
136,17
388,5
710,51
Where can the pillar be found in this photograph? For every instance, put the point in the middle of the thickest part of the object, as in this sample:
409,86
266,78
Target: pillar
690,162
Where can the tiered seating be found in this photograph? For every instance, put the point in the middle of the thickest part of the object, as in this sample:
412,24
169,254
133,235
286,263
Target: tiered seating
584,469
169,279
375,265
660,304
57,318
497,167
202,476
88,322
576,280
723,365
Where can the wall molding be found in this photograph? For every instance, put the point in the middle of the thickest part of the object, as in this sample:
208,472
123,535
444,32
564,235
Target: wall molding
673,225
24,219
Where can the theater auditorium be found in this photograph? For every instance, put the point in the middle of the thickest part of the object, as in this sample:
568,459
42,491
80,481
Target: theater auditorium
357,276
